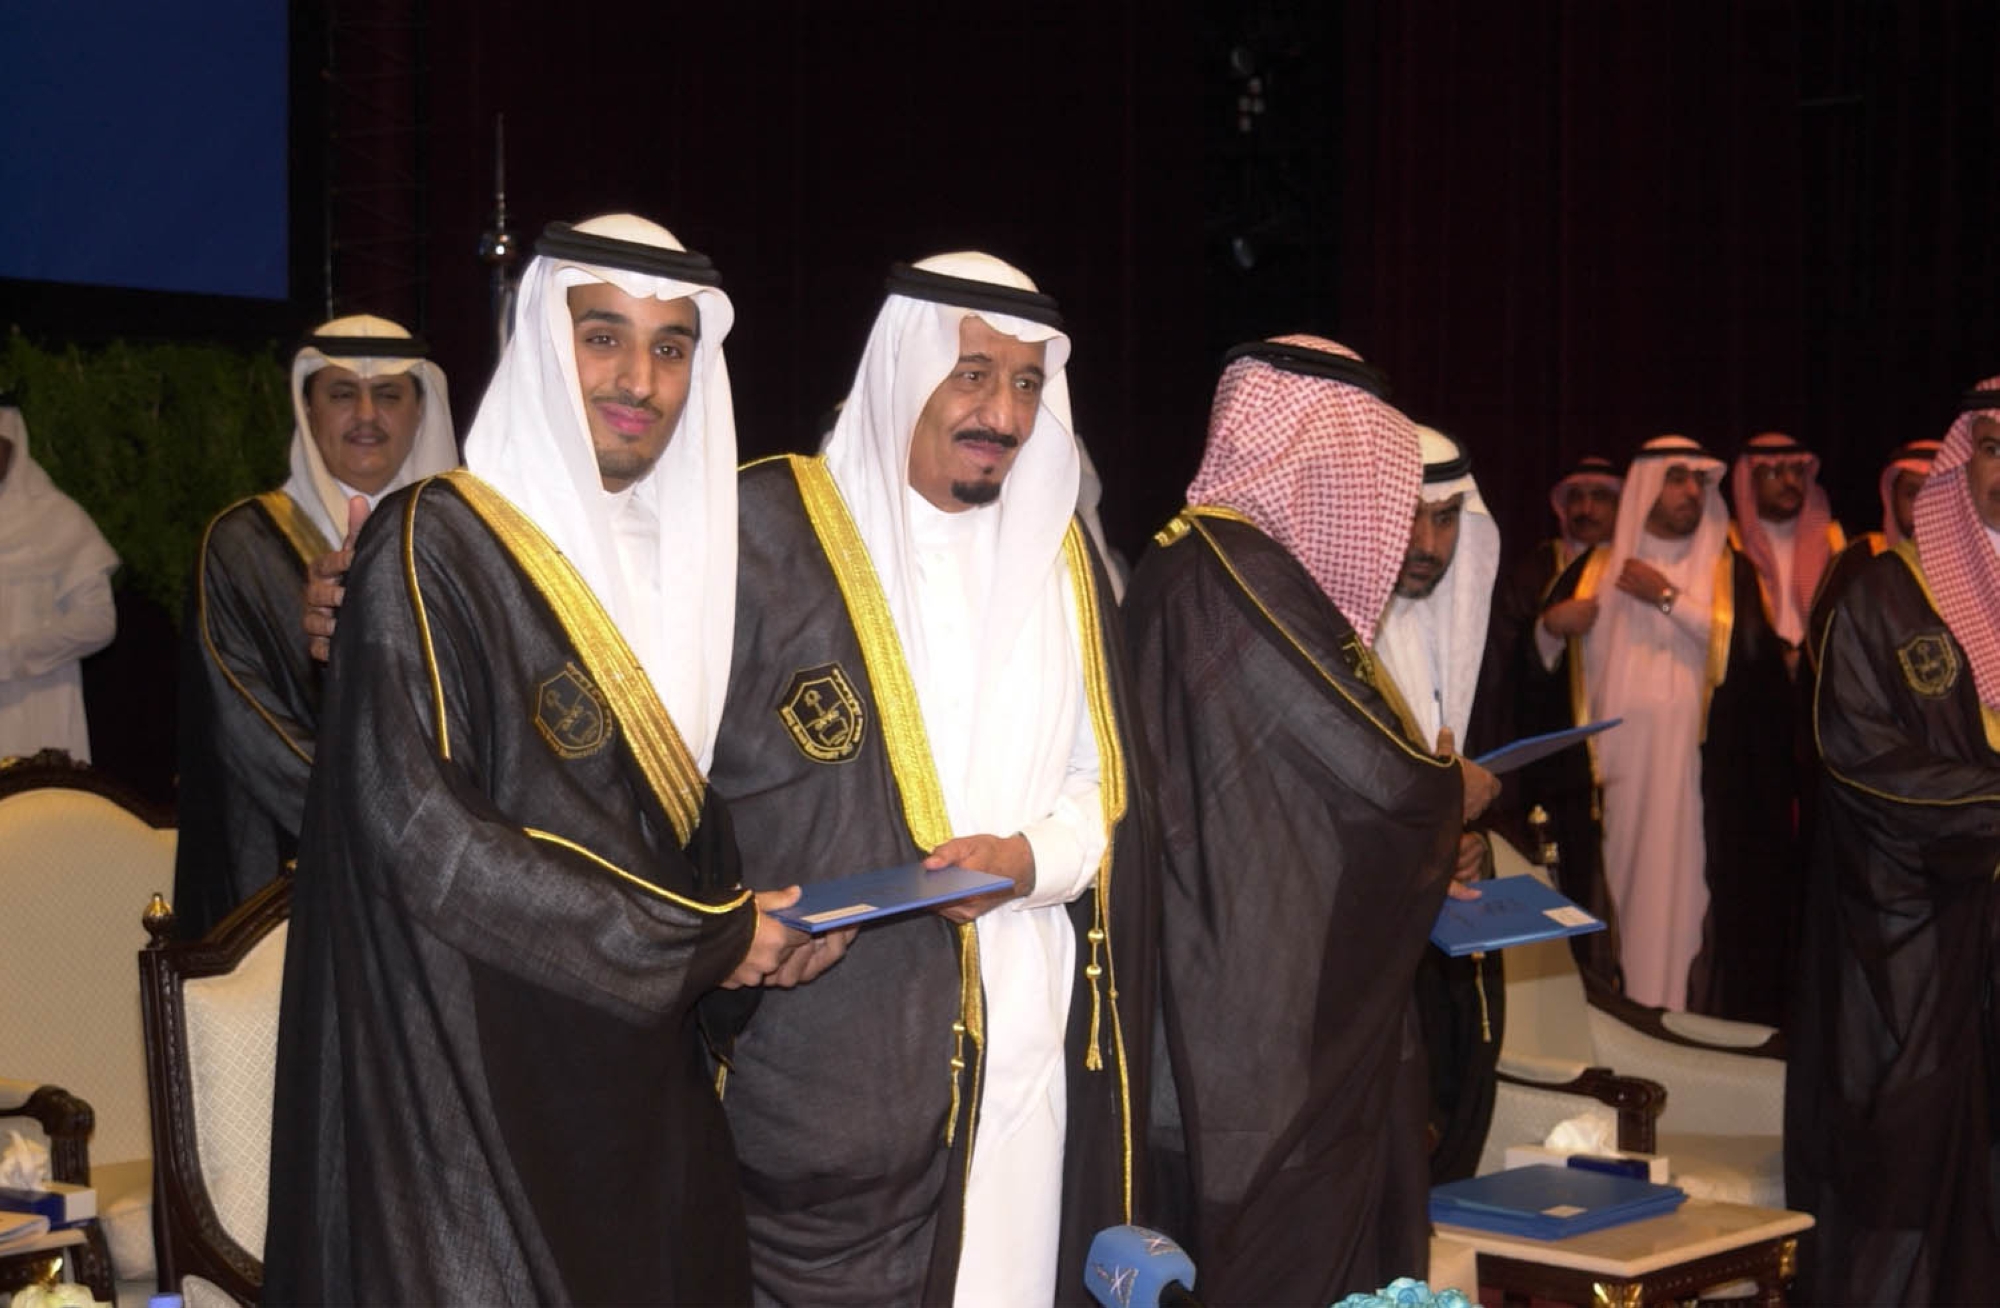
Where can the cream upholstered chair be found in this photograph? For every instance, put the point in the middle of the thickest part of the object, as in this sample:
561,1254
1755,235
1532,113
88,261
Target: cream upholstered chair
1722,1123
211,1056
78,858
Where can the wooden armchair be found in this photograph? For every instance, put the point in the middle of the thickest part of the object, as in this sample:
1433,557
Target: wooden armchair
1707,1093
211,1016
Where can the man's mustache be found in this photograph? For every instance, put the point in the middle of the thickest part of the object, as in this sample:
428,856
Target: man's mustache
1419,560
987,435
625,399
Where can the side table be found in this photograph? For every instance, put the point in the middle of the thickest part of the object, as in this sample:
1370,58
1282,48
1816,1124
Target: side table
1669,1259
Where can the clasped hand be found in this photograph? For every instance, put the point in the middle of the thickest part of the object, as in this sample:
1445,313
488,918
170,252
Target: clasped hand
782,956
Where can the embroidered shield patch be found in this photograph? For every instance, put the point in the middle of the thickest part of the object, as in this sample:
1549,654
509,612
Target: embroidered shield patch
570,714
1930,664
824,714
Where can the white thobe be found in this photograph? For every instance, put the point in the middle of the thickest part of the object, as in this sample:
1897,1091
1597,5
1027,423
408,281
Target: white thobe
1027,949
1655,856
55,607
1781,602
47,624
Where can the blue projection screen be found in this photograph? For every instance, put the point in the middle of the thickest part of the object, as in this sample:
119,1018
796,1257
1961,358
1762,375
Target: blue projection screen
144,144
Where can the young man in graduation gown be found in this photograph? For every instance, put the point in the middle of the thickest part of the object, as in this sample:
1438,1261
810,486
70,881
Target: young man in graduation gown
515,885
370,415
1516,699
1308,833
1585,502
1783,525
1902,477
1892,1099
55,602
1658,629
1431,643
927,664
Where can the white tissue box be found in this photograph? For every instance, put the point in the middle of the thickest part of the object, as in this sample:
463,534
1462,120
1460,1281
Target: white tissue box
1531,1155
62,1203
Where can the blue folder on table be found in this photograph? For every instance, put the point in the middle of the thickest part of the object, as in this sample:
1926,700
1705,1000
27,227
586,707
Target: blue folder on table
1550,1203
1516,910
849,901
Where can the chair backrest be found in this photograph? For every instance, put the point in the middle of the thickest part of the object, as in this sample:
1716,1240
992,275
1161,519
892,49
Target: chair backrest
78,860
212,1051
1548,1013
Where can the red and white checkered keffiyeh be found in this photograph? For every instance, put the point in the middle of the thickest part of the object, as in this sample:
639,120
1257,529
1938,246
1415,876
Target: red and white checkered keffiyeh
1914,457
1324,468
1810,548
1959,562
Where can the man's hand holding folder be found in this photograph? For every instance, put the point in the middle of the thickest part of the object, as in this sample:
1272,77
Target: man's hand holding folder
1005,856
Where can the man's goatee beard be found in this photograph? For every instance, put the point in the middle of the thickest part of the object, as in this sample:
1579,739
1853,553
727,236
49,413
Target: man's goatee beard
975,493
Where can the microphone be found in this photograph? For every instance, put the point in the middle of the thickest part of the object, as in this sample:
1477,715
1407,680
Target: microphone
1132,1267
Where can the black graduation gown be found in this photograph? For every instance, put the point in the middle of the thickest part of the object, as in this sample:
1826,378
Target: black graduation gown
1307,846
1517,602
1748,788
1839,575
249,708
1892,1097
1563,784
841,1092
491,1083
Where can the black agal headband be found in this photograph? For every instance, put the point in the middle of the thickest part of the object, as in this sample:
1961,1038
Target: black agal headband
1312,363
1978,401
367,347
562,241
965,293
1673,452
1460,465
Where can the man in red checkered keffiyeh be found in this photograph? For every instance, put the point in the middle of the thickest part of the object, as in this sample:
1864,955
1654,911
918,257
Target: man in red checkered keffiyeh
1327,468
1783,523
1958,534
1891,1094
1308,835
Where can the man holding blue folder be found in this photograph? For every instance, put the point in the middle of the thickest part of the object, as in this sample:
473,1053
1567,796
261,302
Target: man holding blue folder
927,665
1309,835
1892,1098
1432,643
517,891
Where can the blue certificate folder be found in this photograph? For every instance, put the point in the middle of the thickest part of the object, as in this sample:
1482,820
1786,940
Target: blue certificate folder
1550,1203
848,901
1533,749
1517,910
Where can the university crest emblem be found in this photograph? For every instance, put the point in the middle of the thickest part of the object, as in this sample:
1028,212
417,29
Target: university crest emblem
570,714
824,714
1930,664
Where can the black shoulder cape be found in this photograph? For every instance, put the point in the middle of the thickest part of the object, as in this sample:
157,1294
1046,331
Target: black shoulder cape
850,1118
1892,1092
1307,846
512,895
249,708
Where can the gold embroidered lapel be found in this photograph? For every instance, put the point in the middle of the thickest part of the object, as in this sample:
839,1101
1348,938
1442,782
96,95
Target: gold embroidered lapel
1721,626
299,530
1906,550
910,761
1365,665
656,744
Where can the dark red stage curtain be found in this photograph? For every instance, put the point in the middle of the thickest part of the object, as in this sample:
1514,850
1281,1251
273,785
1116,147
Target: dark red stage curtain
1576,226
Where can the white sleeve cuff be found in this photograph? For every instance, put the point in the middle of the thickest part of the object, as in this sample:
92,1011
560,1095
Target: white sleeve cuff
1066,857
